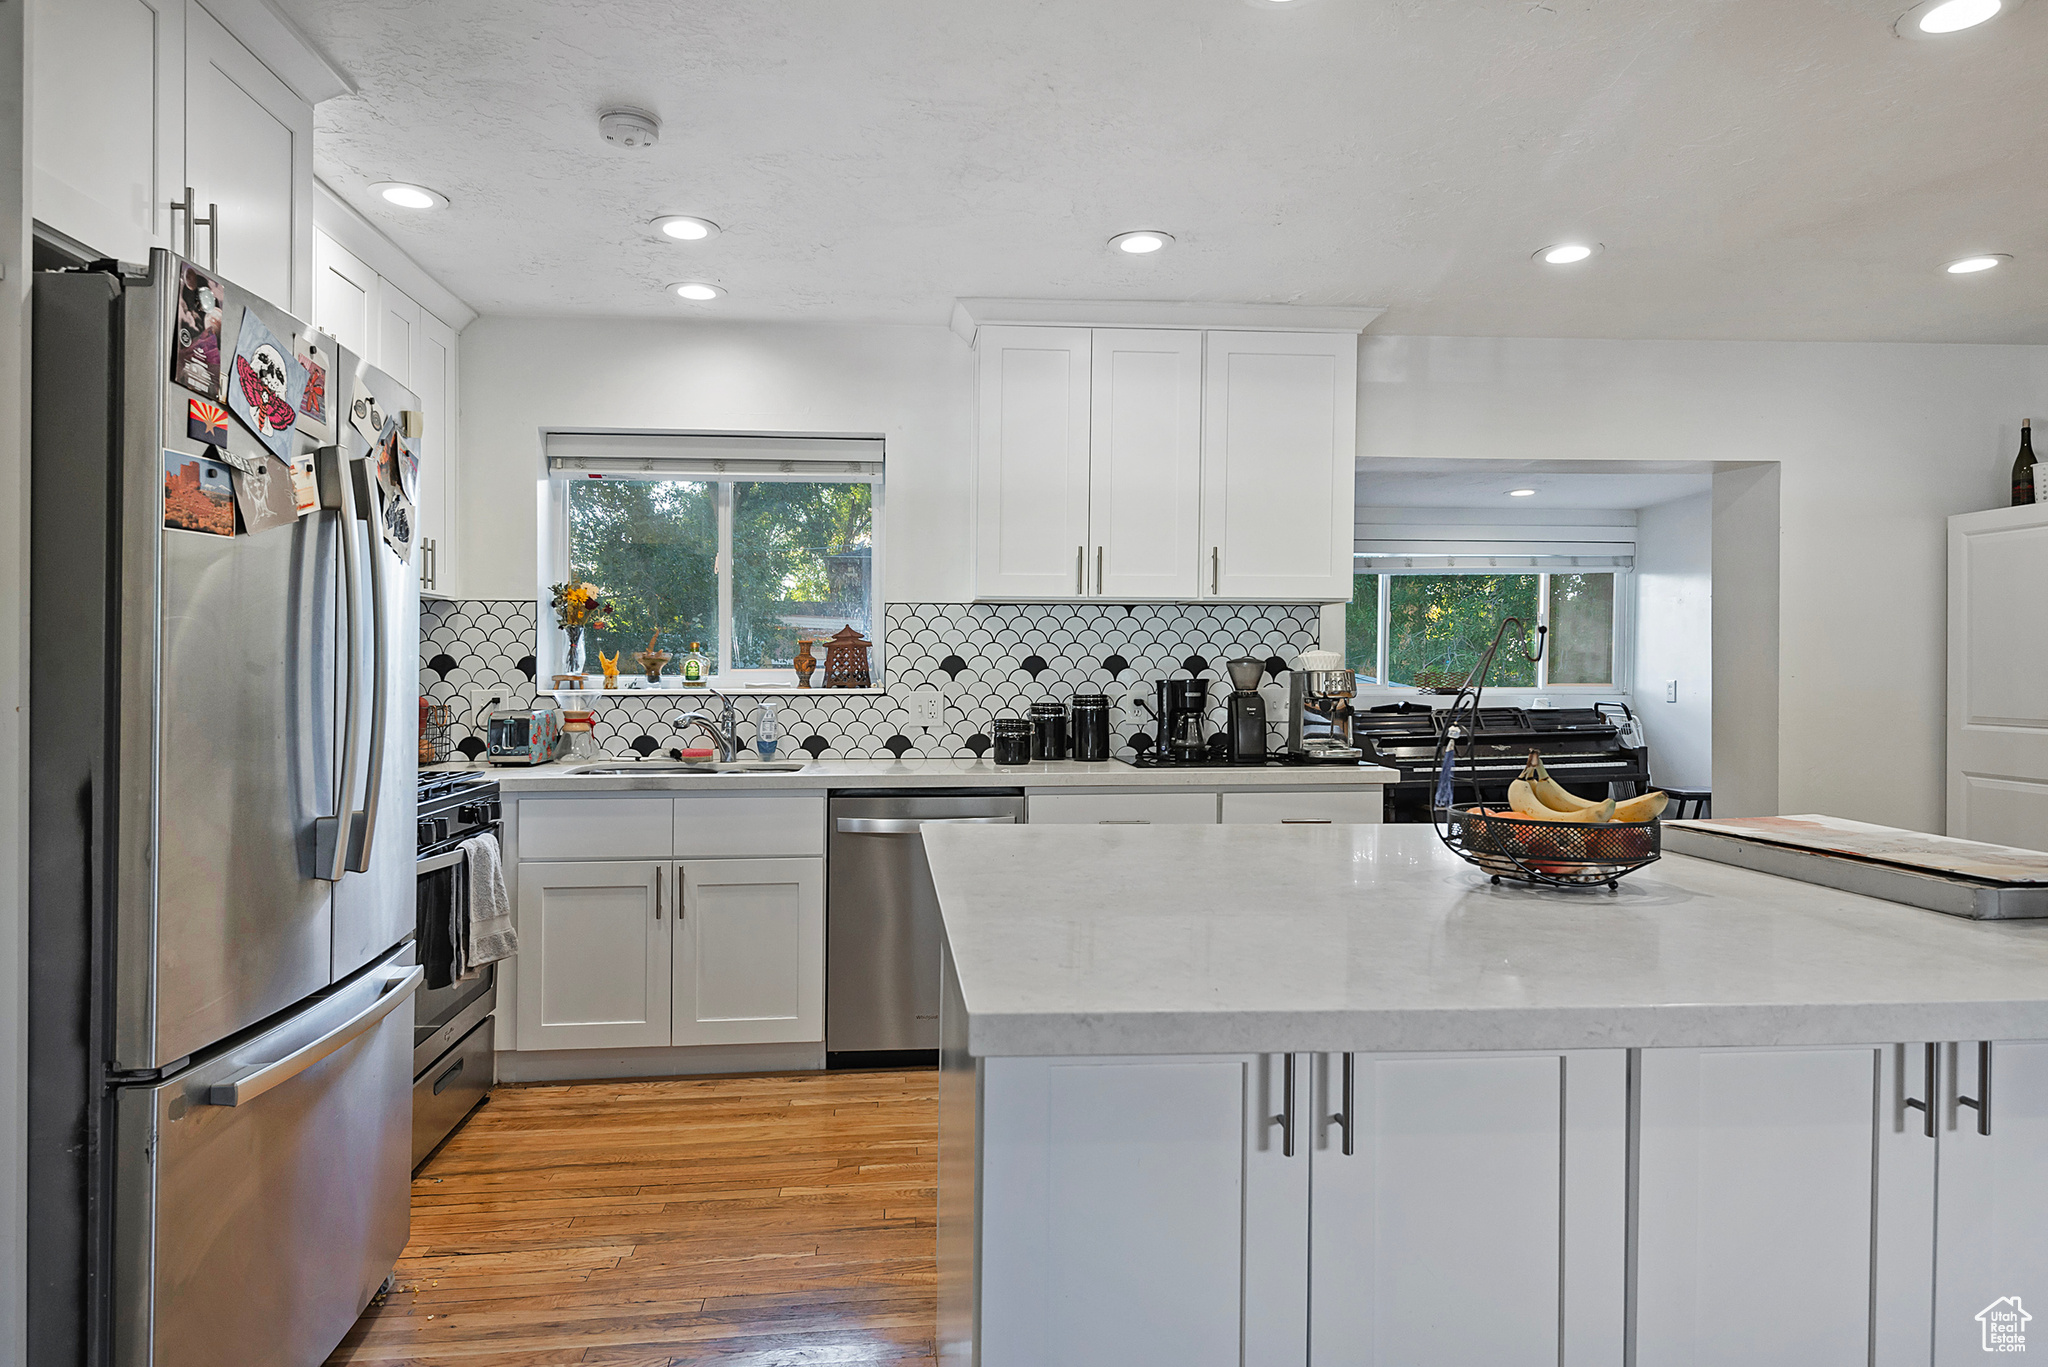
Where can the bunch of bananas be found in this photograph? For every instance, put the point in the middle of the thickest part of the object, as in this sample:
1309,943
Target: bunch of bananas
1536,796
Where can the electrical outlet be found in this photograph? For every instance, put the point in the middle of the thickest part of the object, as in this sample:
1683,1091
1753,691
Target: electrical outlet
478,702
1671,690
927,707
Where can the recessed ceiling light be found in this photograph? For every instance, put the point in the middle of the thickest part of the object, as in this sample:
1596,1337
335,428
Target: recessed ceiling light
696,291
408,196
1521,493
1970,265
1939,18
1567,253
1141,243
683,228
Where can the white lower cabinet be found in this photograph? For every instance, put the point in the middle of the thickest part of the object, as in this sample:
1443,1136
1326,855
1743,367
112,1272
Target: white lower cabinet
1205,1210
749,951
594,954
1991,1233
1121,809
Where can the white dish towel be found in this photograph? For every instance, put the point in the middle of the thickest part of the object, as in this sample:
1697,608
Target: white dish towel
491,936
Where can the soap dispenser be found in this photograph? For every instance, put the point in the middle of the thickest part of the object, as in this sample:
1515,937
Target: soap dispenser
766,731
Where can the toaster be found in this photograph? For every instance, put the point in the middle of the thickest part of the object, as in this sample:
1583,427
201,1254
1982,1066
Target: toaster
530,735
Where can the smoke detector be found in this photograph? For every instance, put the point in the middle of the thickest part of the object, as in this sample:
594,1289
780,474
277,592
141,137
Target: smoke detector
629,128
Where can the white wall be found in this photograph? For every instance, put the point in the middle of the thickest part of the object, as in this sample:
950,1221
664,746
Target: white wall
1877,442
1674,638
913,385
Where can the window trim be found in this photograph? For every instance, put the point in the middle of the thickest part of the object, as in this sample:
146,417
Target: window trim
555,561
1624,631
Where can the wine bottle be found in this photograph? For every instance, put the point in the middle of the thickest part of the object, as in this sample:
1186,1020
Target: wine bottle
2023,465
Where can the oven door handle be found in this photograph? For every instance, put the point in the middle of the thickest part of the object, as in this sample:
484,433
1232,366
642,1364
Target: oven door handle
436,862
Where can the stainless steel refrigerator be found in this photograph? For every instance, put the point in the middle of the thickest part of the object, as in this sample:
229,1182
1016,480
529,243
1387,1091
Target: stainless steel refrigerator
221,854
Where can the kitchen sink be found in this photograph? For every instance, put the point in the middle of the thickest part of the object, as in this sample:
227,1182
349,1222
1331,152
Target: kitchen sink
614,768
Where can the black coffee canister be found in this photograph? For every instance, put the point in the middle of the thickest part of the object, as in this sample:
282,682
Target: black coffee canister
1090,726
1048,730
1012,740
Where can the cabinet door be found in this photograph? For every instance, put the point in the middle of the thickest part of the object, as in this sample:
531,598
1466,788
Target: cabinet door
1143,1211
1997,657
1031,497
109,131
1360,806
1480,1216
1145,463
750,951
398,324
1279,440
249,149
594,954
1122,809
342,290
1785,1207
1991,1244
434,382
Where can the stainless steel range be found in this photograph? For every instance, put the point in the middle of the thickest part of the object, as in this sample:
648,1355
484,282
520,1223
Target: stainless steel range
454,1032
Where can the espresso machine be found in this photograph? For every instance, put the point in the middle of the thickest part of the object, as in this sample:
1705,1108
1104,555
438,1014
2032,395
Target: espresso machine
1319,708
1244,715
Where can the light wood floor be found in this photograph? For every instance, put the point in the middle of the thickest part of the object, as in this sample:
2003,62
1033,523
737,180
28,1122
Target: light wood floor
765,1221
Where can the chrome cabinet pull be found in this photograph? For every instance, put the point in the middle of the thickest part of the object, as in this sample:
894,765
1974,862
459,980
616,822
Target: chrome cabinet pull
657,892
1080,569
1215,567
1098,569
1342,1118
1285,1120
1304,821
1123,821
1981,1103
1925,1105
212,222
184,206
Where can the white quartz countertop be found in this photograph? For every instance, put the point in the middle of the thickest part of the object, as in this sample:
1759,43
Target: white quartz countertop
1092,940
933,773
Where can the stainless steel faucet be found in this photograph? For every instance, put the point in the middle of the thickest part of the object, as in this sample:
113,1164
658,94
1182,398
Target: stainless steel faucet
724,731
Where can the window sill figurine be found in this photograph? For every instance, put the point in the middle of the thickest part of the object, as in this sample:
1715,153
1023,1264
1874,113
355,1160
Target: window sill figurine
610,665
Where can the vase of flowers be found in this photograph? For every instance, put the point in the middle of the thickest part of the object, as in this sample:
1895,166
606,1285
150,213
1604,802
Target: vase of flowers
578,603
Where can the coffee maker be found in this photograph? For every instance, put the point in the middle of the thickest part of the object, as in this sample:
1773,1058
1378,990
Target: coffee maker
1319,708
1245,712
1183,720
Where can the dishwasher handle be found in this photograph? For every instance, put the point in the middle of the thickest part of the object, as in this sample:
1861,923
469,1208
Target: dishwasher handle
911,825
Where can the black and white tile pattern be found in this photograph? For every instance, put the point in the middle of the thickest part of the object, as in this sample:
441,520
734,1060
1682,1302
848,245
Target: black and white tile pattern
991,660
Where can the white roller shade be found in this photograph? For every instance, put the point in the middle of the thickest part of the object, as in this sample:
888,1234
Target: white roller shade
712,456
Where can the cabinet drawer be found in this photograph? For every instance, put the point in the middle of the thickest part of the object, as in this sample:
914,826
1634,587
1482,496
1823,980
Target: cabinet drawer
1361,807
1111,809
748,825
595,827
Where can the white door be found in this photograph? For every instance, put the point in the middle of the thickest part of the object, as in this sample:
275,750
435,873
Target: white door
594,954
1143,1211
1480,1214
1784,1208
1145,463
1031,499
1991,1239
1279,442
109,149
249,149
750,951
1998,676
434,381
342,290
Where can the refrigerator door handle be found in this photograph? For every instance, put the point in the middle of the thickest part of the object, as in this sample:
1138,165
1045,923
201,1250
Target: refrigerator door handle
365,832
248,1086
332,833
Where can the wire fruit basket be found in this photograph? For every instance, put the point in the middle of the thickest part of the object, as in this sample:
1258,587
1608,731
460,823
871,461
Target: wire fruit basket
1558,854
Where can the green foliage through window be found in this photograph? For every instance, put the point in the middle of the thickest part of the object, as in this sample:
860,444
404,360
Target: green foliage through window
1437,626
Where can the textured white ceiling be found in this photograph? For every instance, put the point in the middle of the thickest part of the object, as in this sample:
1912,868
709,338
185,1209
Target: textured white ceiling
1756,168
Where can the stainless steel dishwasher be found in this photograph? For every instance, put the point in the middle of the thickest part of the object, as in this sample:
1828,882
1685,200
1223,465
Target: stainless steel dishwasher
882,923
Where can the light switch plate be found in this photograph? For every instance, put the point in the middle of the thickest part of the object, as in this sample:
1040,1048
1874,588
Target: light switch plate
927,707
1671,690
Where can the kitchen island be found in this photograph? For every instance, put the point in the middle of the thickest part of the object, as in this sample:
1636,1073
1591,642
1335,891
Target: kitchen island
1232,1094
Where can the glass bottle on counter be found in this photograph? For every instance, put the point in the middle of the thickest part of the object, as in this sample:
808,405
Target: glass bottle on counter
2023,465
693,670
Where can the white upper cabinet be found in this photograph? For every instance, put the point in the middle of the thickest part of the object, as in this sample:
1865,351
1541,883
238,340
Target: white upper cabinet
1134,464
343,288
138,99
1279,436
1145,451
109,121
1032,418
398,324
434,381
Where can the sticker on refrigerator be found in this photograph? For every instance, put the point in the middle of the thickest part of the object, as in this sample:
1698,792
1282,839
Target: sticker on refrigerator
195,351
305,486
409,470
267,384
265,495
366,415
390,468
199,495
400,521
315,360
206,422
